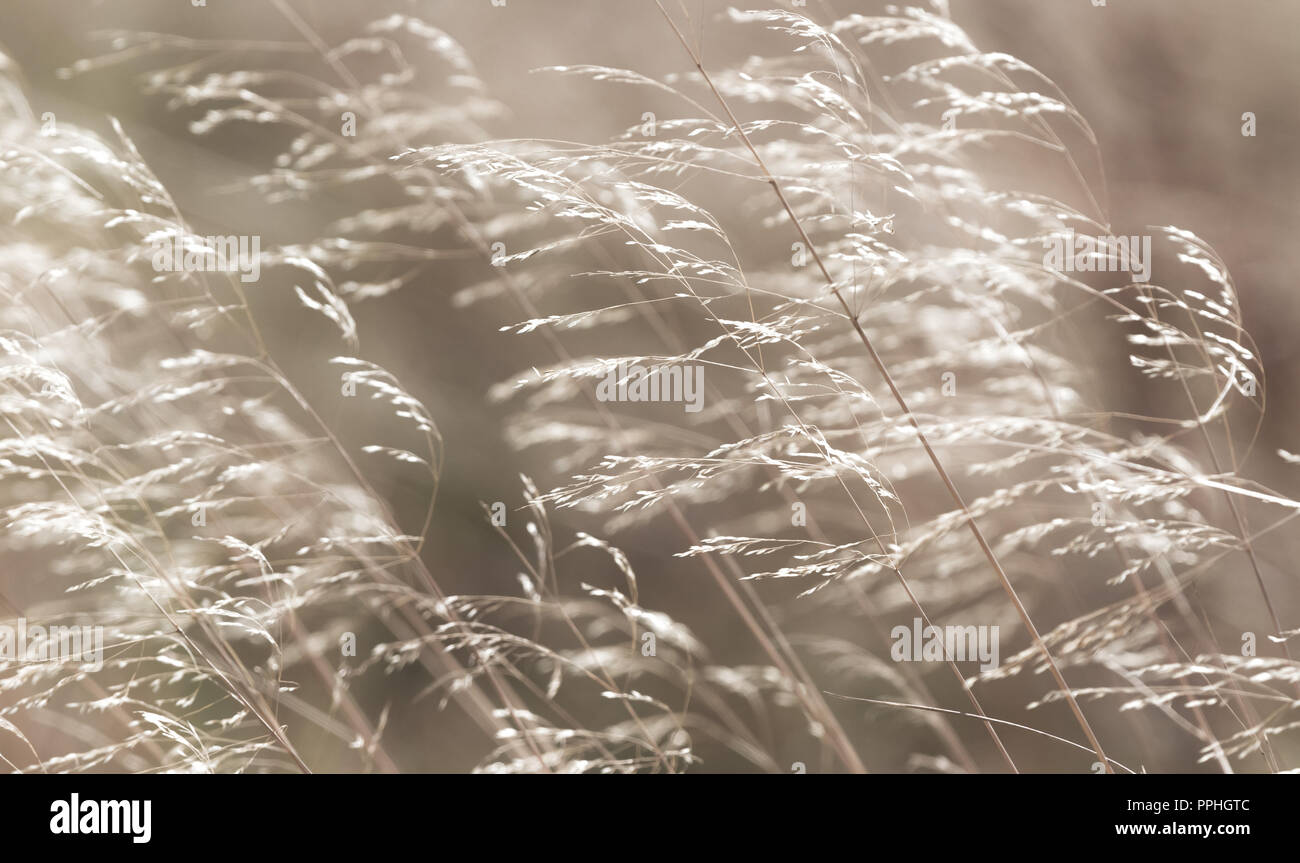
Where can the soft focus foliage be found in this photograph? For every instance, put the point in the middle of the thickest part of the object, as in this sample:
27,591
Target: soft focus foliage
846,231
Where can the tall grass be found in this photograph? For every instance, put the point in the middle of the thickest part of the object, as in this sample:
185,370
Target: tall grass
907,414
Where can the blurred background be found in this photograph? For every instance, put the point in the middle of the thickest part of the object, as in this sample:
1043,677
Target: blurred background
1164,84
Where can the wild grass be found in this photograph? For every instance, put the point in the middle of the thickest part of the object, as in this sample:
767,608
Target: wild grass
907,414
